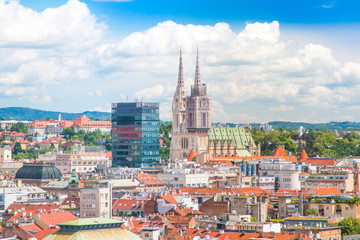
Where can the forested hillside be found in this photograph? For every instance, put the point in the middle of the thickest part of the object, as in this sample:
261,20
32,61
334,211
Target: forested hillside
29,114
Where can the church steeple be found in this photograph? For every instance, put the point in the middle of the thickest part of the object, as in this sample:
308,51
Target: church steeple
179,101
198,89
197,69
181,71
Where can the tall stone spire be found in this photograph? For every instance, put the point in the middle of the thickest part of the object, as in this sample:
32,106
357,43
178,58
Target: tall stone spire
181,71
197,70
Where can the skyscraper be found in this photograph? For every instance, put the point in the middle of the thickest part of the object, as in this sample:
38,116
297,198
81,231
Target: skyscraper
135,134
191,116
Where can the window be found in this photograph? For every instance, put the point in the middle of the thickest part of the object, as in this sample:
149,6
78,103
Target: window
204,120
89,196
88,205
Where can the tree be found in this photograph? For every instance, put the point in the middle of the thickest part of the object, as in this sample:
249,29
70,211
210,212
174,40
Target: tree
68,133
253,219
17,148
19,127
349,226
164,131
311,211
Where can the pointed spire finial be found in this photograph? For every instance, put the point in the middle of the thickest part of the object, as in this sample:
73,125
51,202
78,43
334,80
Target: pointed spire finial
197,69
181,71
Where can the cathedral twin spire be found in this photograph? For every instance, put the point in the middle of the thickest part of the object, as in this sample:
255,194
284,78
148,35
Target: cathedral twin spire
181,72
197,81
197,69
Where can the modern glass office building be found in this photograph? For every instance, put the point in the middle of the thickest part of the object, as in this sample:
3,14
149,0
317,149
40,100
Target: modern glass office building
135,134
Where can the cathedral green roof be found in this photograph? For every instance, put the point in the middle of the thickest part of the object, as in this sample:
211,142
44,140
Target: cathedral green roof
89,221
240,136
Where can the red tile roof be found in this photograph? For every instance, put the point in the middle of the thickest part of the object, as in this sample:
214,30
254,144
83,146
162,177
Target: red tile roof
31,227
135,225
23,141
303,156
17,209
71,200
191,155
220,162
279,152
208,191
46,232
149,180
127,204
325,191
180,219
169,198
82,121
256,158
320,161
17,134
190,233
55,218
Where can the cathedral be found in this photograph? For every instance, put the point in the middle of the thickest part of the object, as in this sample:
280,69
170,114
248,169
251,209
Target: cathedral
191,116
191,129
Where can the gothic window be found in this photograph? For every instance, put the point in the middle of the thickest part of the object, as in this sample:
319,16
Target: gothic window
184,143
191,121
203,120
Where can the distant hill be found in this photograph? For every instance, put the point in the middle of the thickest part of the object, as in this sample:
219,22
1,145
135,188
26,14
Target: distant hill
331,125
317,126
29,114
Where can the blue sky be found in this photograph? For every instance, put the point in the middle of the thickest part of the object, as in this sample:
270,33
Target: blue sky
263,60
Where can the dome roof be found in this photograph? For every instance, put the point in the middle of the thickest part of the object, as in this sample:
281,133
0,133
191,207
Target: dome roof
92,228
38,171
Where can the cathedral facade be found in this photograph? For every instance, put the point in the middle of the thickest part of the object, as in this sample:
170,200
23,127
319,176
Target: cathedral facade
191,116
191,129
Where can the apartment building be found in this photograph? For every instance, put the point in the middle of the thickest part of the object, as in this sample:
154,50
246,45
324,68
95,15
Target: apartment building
342,180
95,199
286,174
81,162
179,174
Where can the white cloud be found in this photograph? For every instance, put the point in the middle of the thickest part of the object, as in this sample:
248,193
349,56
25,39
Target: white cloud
43,49
102,109
151,93
282,108
61,55
95,93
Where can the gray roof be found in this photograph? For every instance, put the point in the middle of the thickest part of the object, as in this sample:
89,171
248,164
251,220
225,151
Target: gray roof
57,185
38,171
15,165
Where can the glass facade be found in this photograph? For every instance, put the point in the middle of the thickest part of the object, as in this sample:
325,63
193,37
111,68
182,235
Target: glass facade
135,134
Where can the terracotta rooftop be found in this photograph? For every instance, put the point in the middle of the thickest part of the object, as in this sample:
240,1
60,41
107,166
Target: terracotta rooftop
279,152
